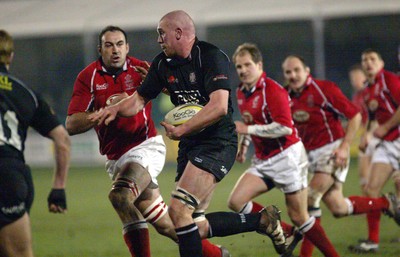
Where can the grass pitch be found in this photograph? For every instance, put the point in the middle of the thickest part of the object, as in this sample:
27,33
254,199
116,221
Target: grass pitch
91,228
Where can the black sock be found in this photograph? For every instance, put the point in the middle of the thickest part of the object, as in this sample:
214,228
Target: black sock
189,241
231,223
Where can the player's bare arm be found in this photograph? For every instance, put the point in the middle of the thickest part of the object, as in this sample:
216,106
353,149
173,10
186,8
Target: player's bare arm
341,154
78,123
214,110
272,130
62,145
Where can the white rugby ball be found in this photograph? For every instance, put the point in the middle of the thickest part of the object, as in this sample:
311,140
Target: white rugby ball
182,113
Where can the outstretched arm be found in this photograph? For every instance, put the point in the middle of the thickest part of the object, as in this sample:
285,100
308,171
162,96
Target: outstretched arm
127,107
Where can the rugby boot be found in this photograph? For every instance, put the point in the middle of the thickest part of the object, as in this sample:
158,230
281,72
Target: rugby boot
394,207
270,226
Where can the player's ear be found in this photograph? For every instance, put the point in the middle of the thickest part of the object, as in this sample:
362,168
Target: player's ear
127,48
178,33
99,49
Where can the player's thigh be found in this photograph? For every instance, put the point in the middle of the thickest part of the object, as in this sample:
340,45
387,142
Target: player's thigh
199,183
16,239
334,199
247,187
380,174
321,182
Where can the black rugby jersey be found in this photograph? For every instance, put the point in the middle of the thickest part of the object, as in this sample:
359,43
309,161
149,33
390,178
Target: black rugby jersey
191,80
20,108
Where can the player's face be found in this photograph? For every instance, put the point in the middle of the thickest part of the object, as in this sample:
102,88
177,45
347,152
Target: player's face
371,64
166,38
295,73
248,71
357,79
114,49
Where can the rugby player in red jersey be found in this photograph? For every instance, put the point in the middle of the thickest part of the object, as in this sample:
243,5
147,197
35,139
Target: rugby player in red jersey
280,158
316,107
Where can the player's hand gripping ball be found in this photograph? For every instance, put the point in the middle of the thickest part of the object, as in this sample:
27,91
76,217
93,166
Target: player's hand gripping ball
182,113
114,99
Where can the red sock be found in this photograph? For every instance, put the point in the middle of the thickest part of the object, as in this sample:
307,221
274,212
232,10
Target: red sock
307,247
209,249
362,204
373,219
287,228
256,207
138,242
318,237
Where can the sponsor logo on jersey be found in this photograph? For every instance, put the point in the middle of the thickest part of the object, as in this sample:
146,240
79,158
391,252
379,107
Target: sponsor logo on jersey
301,116
254,104
188,96
219,77
192,78
103,86
129,82
247,117
5,84
172,79
373,105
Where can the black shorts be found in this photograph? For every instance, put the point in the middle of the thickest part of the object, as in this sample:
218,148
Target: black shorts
16,190
214,156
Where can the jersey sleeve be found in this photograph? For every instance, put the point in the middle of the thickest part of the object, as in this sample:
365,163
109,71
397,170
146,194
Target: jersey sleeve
44,119
81,95
153,83
278,104
216,70
393,84
338,101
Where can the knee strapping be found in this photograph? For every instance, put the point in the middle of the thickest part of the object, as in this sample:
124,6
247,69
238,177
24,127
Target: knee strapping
186,198
155,211
198,216
126,183
314,198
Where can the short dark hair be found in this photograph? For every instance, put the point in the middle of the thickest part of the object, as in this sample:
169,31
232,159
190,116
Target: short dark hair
370,51
6,46
112,29
296,56
250,48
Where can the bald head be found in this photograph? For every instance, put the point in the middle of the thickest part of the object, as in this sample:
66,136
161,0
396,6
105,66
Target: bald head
180,19
177,34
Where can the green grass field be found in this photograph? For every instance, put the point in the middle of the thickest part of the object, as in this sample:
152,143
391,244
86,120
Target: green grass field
92,229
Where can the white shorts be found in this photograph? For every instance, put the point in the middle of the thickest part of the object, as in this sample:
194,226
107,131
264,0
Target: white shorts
150,154
321,160
288,169
372,144
388,152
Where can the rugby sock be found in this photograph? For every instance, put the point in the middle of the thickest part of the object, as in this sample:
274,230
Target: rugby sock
373,219
230,223
190,244
362,204
314,232
137,239
287,228
307,247
209,249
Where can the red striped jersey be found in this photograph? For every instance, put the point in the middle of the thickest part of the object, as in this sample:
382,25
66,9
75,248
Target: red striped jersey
93,86
267,102
383,98
316,111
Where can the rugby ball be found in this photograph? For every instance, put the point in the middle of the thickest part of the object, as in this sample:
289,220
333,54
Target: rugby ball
182,113
116,98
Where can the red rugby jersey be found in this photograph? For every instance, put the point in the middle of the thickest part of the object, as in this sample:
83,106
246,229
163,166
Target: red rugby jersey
358,100
383,98
93,86
316,112
268,102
